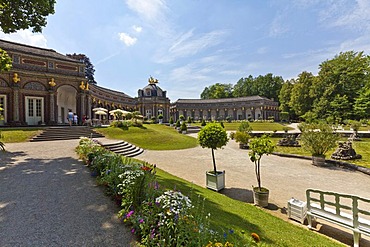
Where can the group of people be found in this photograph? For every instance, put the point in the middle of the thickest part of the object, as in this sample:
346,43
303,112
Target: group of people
73,119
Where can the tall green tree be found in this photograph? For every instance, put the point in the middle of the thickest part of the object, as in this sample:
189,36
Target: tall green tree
20,14
362,104
244,87
89,67
345,74
301,100
264,85
218,91
284,96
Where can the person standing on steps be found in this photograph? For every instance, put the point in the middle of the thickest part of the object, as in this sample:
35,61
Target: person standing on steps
70,117
75,119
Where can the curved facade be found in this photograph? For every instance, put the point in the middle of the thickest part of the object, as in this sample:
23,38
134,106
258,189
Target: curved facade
44,85
242,108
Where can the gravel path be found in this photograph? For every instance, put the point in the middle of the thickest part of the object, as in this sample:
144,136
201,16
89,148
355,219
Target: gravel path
48,198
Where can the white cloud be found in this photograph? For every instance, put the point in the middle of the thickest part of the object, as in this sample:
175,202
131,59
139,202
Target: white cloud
189,44
137,29
277,27
127,39
26,37
148,9
345,13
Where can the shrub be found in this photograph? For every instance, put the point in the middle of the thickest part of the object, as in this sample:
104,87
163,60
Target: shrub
318,138
242,137
203,123
178,124
160,116
228,119
181,117
171,120
121,124
183,127
232,135
189,120
245,127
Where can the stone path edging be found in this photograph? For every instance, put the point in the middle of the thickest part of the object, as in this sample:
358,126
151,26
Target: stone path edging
337,163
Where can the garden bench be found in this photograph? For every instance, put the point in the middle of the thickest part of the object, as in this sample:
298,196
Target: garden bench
349,211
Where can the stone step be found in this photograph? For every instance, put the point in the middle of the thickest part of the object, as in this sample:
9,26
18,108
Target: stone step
65,133
124,148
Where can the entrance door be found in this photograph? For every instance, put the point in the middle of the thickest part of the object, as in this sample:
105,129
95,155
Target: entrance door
34,110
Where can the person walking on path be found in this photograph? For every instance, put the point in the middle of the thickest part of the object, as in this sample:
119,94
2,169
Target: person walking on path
70,117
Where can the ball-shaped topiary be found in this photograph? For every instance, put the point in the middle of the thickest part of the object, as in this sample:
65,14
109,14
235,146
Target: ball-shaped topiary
212,136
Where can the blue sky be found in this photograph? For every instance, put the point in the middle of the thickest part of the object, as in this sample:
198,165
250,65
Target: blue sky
190,44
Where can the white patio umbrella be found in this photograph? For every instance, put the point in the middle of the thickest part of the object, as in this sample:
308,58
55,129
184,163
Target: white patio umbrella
99,109
124,113
100,113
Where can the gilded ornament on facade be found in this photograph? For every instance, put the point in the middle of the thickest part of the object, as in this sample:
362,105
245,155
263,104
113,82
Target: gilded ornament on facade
16,78
52,82
82,85
87,86
151,80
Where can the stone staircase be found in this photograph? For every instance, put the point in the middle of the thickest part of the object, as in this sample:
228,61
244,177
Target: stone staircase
193,129
124,148
65,133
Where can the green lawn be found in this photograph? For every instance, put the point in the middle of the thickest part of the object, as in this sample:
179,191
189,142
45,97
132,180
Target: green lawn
361,147
243,218
18,134
256,126
151,137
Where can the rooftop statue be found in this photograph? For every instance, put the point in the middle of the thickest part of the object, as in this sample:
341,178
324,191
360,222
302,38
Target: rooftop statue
151,80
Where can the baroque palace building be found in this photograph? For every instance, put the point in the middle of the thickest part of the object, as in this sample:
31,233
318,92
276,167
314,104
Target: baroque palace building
44,85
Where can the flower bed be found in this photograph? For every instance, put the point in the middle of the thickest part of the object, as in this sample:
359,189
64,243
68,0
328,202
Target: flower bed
158,217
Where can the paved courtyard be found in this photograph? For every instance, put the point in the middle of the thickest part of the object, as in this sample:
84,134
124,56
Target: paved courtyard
48,198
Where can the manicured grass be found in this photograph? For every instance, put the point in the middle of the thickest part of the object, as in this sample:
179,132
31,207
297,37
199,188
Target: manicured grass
256,126
243,218
18,134
361,147
151,136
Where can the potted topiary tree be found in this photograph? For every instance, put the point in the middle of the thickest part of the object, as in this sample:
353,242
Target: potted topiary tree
213,136
160,118
203,123
260,146
182,118
177,125
243,134
318,139
171,121
189,121
242,138
183,128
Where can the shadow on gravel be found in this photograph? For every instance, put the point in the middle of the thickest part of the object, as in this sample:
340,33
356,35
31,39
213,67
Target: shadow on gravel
7,158
55,202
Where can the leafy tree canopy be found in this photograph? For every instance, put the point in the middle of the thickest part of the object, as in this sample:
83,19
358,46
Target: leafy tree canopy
20,14
5,61
89,67
217,91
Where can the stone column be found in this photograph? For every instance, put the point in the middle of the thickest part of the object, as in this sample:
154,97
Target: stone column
16,104
89,101
52,106
82,106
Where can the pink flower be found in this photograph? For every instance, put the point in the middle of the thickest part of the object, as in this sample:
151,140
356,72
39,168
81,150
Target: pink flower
129,214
